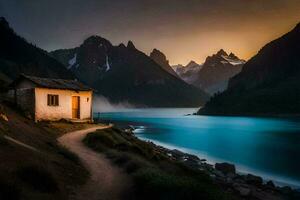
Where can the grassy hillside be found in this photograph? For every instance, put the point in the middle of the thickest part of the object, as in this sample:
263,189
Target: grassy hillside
155,175
33,166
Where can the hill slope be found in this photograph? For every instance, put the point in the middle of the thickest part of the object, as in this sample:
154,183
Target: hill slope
123,73
33,166
18,56
268,84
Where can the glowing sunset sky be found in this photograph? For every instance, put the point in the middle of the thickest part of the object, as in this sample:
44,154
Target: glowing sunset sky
183,29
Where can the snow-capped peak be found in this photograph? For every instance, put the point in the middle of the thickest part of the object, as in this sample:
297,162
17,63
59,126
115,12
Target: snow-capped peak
233,60
107,64
72,61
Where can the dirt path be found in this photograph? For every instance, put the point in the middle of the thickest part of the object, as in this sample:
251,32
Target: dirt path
107,182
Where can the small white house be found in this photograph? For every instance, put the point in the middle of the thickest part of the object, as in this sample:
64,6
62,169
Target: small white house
52,99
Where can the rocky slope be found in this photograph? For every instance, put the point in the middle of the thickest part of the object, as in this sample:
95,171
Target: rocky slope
161,59
268,84
18,56
123,73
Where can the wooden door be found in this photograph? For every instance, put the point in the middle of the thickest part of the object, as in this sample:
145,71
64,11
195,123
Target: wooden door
75,107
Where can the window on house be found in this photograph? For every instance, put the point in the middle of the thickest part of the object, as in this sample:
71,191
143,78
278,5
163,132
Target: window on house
52,100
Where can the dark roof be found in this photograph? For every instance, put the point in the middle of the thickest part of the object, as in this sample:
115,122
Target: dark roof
56,83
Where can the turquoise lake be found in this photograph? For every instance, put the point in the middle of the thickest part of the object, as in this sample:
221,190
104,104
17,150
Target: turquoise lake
269,147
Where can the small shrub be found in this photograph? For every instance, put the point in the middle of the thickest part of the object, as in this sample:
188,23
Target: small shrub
38,178
111,154
127,160
158,184
122,147
96,139
121,159
68,154
136,164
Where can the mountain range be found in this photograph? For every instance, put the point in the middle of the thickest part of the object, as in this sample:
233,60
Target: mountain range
217,70
269,83
123,73
120,73
213,75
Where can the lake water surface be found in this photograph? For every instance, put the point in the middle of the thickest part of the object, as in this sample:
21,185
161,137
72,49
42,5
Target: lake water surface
269,147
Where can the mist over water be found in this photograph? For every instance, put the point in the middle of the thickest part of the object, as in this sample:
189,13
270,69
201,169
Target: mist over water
102,104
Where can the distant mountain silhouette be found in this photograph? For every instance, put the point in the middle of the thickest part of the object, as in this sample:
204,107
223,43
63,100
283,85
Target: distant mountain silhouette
18,56
269,83
214,74
123,73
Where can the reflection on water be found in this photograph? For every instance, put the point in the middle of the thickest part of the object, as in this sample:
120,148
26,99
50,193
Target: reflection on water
264,146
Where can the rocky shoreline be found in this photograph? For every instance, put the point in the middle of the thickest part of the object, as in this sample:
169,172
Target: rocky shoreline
247,186
225,174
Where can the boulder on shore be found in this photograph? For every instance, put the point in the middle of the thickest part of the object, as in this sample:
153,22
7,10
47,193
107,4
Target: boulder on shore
226,168
254,180
242,189
270,184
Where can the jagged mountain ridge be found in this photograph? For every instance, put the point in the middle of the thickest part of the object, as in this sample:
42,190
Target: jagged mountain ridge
161,59
189,72
213,75
268,84
217,70
123,73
